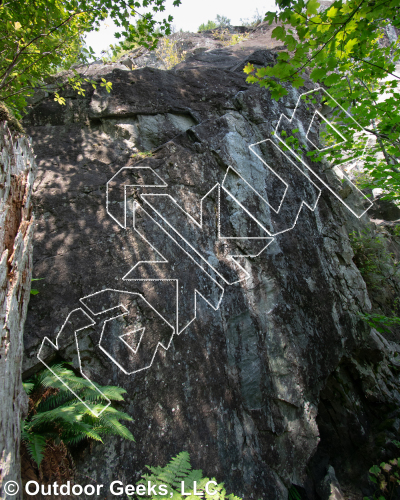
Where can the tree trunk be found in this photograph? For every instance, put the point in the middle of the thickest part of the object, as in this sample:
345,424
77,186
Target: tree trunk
17,174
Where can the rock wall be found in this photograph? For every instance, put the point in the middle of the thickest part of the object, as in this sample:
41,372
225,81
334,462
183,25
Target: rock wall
242,271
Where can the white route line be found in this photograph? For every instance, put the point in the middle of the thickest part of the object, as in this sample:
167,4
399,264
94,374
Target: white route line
312,208
331,125
164,184
55,346
143,329
175,330
219,237
124,314
165,261
130,347
316,112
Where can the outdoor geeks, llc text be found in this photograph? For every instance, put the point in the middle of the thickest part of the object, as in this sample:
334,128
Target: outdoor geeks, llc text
116,488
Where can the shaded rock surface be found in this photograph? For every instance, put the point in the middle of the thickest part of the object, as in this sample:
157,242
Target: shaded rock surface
266,382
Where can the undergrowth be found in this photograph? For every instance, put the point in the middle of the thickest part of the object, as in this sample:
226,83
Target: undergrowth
232,39
380,271
377,266
167,51
386,477
57,419
178,471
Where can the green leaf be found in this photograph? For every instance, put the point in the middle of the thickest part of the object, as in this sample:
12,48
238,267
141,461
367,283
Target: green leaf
59,99
270,17
28,387
262,72
318,73
312,7
375,470
332,79
283,56
279,33
350,45
332,12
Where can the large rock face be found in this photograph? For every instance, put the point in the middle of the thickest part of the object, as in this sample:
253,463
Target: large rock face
245,267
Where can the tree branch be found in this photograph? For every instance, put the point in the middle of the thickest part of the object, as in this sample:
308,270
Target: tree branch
376,66
10,68
326,43
388,158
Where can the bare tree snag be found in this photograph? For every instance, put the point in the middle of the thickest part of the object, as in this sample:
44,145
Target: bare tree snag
17,174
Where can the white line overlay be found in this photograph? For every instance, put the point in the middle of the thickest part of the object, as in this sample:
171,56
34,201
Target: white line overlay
173,233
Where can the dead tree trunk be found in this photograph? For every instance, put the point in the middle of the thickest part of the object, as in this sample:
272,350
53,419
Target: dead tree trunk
17,174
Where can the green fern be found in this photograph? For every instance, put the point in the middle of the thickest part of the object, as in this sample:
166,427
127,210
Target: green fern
179,471
294,493
56,414
35,444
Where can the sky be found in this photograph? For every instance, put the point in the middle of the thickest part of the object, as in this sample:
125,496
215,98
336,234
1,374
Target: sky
188,17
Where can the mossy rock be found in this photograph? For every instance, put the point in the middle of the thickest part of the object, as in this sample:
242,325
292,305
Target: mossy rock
13,123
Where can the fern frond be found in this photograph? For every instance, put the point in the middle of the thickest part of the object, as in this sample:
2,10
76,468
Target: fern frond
68,377
35,444
60,415
74,440
55,400
179,470
180,467
194,475
118,429
111,392
85,433
28,387
111,412
66,414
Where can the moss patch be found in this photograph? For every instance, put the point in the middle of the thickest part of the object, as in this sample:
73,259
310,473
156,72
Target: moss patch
13,123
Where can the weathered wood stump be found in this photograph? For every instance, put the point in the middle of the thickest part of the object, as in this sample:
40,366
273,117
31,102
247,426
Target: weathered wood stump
17,174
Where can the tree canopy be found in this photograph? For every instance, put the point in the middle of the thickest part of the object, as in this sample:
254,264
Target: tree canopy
351,49
38,38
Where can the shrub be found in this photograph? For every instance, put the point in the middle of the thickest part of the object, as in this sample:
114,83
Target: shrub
168,53
220,22
377,266
227,39
210,25
57,417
